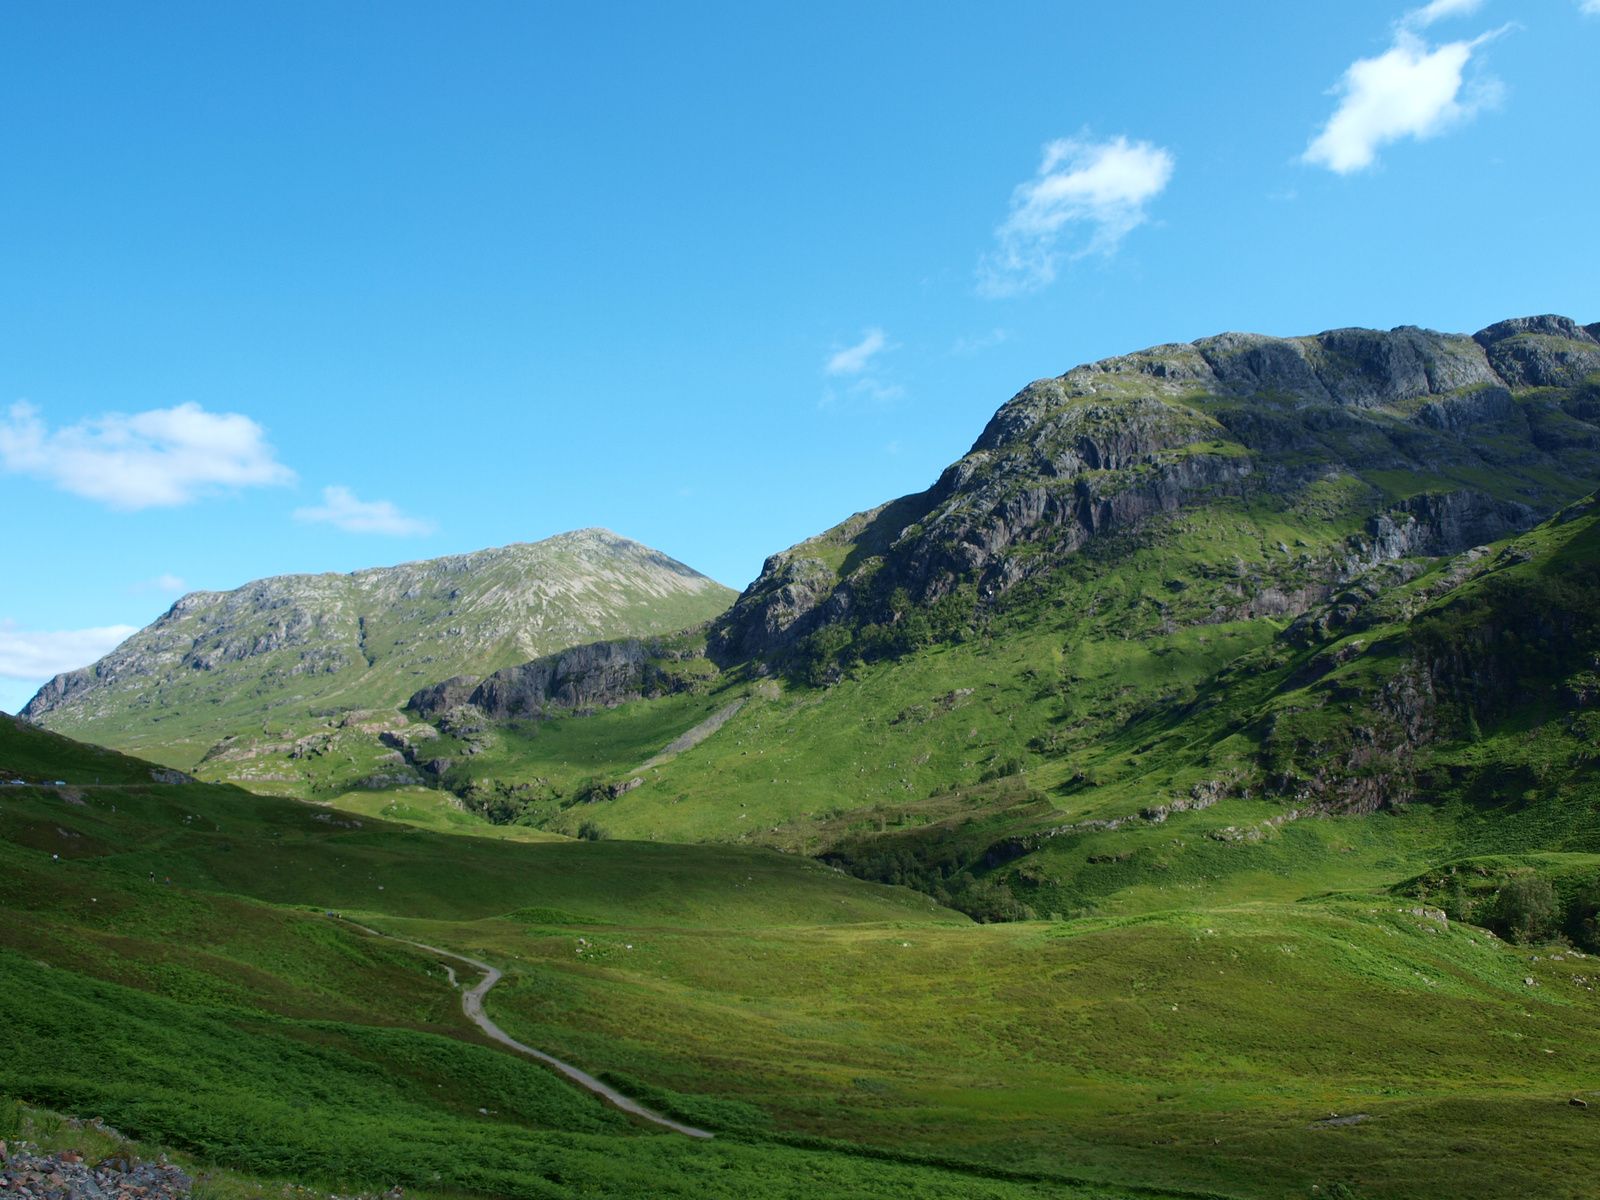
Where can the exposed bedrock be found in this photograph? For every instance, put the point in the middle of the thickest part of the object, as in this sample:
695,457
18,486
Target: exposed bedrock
597,675
1109,444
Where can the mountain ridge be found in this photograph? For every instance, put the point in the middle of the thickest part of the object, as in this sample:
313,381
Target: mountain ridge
1111,442
1105,525
357,640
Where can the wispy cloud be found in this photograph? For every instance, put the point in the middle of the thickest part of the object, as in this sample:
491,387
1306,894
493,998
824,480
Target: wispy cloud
858,360
872,391
342,510
1421,18
1410,90
1100,186
155,459
161,583
1589,7
970,346
854,359
32,655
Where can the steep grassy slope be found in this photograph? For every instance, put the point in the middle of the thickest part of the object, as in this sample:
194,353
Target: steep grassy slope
279,657
34,755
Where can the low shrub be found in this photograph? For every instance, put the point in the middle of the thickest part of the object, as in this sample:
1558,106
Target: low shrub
1527,910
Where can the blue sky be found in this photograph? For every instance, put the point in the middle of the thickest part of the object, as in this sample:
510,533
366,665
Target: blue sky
310,287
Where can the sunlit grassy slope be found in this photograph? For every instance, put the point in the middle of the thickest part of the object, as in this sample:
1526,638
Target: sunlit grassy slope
1092,749
1047,675
1192,1038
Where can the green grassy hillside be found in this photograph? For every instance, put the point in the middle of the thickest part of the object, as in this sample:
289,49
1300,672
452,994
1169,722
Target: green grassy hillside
288,670
1193,792
1194,1038
1142,550
34,755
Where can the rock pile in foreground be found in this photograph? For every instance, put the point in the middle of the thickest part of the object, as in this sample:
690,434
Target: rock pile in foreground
65,1175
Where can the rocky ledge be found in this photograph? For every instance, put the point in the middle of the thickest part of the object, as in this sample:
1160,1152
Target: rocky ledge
579,680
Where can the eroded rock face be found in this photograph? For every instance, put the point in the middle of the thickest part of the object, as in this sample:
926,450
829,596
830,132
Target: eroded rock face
1546,351
442,697
579,680
598,675
1446,523
1354,368
1487,407
1113,443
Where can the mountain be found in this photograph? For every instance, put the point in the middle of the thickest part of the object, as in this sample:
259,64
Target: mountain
1444,440
1155,537
1241,697
1225,992
221,664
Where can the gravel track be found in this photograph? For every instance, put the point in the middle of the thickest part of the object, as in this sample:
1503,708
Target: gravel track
472,1006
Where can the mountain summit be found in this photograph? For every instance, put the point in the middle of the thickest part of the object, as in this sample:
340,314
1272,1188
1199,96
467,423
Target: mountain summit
367,639
1449,440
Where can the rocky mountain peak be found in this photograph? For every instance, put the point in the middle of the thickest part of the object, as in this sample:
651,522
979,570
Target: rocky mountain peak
1112,443
369,638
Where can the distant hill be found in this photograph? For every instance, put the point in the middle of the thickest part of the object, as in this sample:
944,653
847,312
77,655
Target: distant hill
218,663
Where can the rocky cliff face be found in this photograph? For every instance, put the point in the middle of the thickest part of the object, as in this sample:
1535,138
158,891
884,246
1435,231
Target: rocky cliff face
579,680
367,639
1113,443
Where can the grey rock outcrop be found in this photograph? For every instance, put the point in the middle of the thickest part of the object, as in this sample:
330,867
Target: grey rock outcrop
1111,444
1354,368
597,675
582,679
1436,524
442,697
1546,351
362,640
1480,407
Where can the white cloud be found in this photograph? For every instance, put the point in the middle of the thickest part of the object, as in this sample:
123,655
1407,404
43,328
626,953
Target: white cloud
970,346
161,583
1589,7
1409,90
38,656
853,361
1104,185
868,390
160,458
342,510
1421,18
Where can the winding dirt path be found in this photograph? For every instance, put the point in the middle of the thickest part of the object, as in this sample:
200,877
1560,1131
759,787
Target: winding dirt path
472,1006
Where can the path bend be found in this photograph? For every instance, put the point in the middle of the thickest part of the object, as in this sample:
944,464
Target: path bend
472,1006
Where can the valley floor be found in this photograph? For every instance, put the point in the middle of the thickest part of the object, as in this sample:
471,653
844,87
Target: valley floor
840,1036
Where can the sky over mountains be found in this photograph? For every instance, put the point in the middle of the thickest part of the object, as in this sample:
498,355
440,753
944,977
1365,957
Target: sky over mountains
290,289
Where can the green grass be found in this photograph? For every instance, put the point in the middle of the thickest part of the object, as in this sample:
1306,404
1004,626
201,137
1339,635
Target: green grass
1177,1048
37,755
810,1011
350,1106
1127,751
